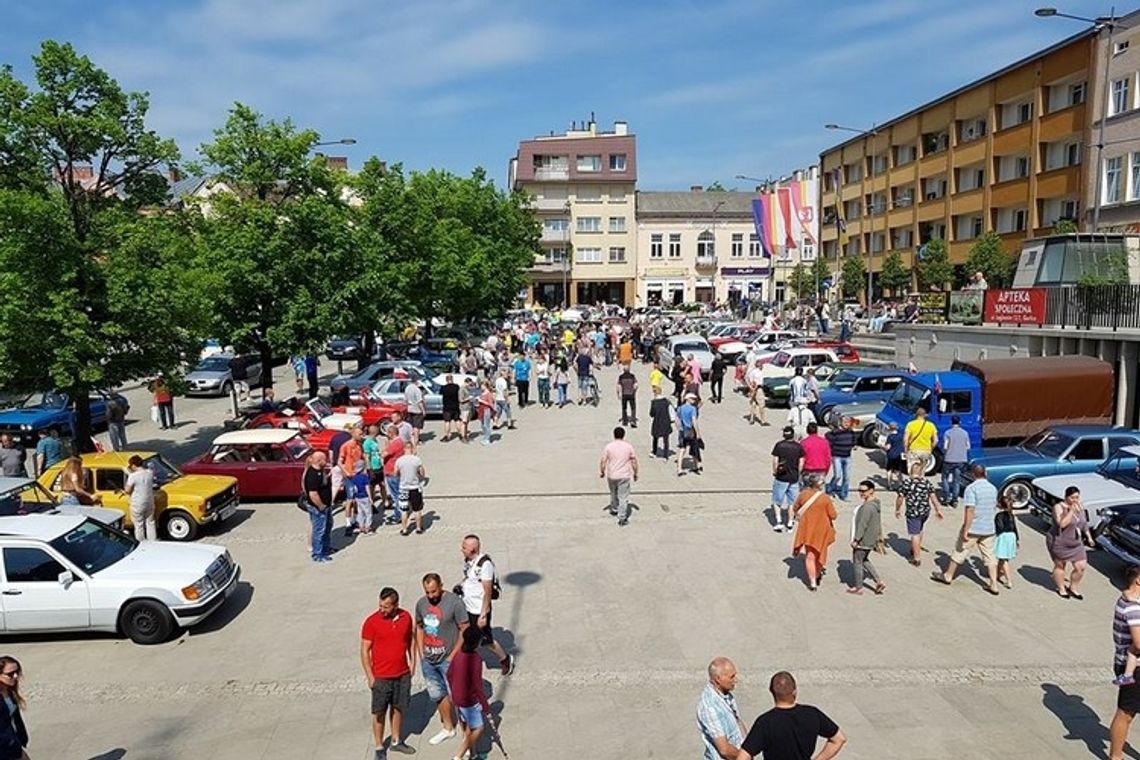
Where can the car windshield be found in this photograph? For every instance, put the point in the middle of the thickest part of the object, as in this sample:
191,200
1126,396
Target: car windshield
1124,468
781,359
909,396
685,348
843,381
93,547
297,448
1048,443
213,364
30,497
164,471
49,400
319,408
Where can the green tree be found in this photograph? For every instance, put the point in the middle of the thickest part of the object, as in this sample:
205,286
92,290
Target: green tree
933,265
94,293
716,187
1064,227
278,245
854,275
800,281
894,275
987,255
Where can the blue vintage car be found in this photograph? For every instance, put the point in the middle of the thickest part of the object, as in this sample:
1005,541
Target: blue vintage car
52,410
1060,450
863,384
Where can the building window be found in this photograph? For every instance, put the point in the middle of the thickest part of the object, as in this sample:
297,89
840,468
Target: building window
589,224
674,245
1019,219
1120,99
753,245
617,162
588,255
617,255
976,227
589,194
555,225
656,249
1024,112
737,250
1112,180
617,196
1134,194
807,250
1021,167
617,224
555,255
904,154
1077,93
1120,47
706,245
589,163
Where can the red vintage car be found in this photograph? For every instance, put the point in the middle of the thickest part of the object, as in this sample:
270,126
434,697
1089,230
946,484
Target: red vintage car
319,437
845,352
372,410
268,463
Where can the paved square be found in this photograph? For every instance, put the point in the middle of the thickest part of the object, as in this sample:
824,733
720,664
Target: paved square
613,627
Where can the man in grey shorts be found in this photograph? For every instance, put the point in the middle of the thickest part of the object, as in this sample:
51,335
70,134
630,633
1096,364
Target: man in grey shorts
387,656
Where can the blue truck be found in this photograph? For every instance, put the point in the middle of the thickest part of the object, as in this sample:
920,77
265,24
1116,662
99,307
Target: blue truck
1003,401
52,410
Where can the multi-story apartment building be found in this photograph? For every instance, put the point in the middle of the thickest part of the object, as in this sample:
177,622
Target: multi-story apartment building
1118,53
583,184
699,245
1007,153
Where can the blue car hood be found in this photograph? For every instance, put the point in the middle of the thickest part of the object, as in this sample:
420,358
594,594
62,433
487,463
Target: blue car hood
28,416
1006,456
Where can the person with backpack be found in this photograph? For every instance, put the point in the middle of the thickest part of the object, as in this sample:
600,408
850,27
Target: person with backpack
479,587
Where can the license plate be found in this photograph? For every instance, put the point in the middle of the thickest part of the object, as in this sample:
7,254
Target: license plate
228,511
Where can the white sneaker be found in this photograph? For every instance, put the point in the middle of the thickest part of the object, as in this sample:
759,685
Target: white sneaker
442,736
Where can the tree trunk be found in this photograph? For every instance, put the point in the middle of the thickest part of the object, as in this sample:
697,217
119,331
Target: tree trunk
82,442
266,353
368,348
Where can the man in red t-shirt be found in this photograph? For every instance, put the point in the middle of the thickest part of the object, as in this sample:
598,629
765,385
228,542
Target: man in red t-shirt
393,450
817,453
349,461
387,656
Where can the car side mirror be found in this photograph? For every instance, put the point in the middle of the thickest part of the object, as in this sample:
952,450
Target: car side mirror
1070,458
66,578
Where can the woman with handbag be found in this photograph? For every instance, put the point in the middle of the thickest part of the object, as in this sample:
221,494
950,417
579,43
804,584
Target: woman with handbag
815,516
13,734
1066,541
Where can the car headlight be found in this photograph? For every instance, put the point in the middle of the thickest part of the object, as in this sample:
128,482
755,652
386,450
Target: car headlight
25,427
200,588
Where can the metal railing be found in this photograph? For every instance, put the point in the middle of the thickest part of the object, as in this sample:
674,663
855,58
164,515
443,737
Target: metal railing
1105,307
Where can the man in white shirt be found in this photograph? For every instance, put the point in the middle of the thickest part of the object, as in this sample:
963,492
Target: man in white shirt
754,378
410,469
477,589
417,408
798,388
503,401
799,417
140,488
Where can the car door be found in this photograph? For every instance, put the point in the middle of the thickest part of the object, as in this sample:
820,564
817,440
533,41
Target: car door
98,404
886,387
34,599
109,484
1083,456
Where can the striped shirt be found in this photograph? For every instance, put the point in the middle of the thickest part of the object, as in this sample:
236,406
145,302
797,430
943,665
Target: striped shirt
1125,616
717,716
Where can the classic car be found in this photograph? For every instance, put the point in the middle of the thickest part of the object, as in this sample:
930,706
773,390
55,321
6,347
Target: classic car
319,437
760,342
737,333
1061,450
216,375
1116,481
267,463
391,391
376,371
183,504
24,496
776,388
685,345
53,410
784,363
862,415
341,348
69,573
1119,532
858,385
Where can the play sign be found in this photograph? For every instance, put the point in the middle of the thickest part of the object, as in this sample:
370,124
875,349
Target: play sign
1018,306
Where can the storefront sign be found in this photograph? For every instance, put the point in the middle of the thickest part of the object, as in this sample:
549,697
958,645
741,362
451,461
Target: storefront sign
1018,306
966,307
933,307
745,271
665,272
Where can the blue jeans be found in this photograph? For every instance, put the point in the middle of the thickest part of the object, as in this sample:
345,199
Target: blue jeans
486,420
435,676
840,484
392,483
952,480
563,396
321,521
784,494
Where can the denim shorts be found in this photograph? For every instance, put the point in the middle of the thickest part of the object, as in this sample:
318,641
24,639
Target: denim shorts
471,716
435,676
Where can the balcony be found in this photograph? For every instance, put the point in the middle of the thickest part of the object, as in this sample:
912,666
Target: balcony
555,236
551,174
545,264
706,262
550,204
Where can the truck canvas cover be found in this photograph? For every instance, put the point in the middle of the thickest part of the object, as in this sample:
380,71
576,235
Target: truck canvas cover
1022,396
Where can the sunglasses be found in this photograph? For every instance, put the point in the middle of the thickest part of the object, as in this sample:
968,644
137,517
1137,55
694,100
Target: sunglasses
864,490
12,673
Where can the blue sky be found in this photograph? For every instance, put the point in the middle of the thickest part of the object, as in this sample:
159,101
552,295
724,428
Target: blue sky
712,88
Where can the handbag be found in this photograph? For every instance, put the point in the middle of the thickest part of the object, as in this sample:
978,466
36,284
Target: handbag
154,413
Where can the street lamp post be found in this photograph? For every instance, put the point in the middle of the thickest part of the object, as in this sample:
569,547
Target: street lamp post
1101,24
873,133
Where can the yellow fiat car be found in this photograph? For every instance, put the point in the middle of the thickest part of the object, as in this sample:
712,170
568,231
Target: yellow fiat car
183,504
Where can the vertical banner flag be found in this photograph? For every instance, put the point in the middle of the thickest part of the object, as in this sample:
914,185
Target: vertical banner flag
786,216
840,222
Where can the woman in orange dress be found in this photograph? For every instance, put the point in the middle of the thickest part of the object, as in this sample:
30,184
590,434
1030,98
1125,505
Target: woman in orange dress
815,530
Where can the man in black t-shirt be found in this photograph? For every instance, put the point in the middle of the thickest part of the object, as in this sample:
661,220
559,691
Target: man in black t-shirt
449,395
789,731
627,389
317,485
787,463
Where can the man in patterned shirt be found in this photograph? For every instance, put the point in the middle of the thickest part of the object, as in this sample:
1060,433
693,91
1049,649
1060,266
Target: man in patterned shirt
1125,637
717,717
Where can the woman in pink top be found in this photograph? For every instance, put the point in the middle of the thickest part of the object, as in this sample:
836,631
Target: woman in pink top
486,411
465,682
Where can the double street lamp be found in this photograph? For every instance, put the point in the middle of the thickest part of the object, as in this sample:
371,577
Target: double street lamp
872,133
1104,23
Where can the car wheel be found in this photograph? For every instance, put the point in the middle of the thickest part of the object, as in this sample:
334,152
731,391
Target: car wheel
1017,491
227,388
146,621
867,438
179,526
934,464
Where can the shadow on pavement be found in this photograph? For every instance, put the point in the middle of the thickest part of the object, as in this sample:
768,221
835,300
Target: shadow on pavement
114,754
228,612
178,451
1037,576
1081,723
